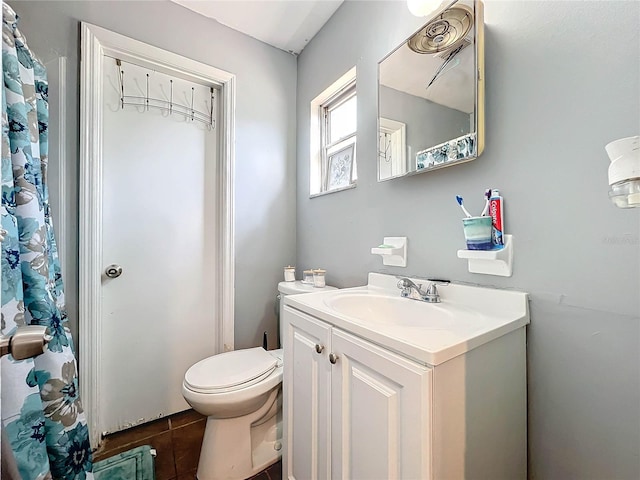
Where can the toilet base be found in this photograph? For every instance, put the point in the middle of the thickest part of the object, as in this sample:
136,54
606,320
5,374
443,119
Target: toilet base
238,448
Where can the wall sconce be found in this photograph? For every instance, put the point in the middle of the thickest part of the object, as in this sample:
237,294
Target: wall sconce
624,172
424,8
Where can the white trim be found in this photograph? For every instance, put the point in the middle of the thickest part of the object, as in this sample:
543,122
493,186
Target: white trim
327,192
58,69
226,182
90,227
97,42
62,164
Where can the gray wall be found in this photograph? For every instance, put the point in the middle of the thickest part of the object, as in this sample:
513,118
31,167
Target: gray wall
416,112
265,133
563,80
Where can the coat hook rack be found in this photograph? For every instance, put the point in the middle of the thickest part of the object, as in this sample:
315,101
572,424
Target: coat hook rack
146,102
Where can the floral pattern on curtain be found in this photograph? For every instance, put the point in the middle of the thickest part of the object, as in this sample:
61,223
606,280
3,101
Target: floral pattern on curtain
41,410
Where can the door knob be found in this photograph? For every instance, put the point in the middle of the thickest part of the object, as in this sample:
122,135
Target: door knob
333,358
319,348
113,271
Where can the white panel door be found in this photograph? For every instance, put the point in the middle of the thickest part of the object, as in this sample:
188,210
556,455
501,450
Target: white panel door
307,396
159,225
380,412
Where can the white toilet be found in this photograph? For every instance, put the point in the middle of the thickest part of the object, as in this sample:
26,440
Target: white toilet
240,393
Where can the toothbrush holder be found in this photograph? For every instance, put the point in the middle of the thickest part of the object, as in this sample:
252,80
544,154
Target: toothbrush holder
477,233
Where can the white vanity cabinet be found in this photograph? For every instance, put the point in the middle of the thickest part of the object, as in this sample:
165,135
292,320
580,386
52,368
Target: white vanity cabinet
307,397
352,410
427,399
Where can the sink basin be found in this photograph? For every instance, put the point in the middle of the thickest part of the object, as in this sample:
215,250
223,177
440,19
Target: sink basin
385,309
432,333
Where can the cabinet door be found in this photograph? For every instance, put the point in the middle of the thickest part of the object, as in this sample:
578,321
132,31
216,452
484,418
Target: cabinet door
380,413
307,396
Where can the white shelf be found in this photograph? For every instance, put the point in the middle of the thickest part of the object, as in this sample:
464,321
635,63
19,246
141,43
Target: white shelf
395,254
491,262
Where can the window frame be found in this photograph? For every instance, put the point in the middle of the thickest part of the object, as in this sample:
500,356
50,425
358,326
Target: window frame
329,148
321,150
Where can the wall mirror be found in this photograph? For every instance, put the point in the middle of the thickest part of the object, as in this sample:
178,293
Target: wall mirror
431,95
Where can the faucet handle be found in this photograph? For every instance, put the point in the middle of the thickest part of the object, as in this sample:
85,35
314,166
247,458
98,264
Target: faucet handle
432,295
404,282
406,285
405,289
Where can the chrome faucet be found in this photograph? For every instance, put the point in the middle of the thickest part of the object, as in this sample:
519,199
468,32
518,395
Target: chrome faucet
431,295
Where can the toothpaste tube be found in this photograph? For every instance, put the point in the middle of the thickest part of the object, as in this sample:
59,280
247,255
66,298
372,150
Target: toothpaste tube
496,210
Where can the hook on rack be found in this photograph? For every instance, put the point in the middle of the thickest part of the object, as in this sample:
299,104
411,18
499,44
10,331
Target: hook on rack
189,111
212,98
385,152
192,94
121,78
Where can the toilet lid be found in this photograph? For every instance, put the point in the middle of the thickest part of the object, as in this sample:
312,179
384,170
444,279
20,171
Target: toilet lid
230,369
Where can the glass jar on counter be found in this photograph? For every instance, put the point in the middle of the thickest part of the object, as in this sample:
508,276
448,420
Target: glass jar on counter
289,274
307,277
318,278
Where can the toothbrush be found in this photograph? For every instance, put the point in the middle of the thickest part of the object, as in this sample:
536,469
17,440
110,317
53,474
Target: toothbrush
459,199
487,194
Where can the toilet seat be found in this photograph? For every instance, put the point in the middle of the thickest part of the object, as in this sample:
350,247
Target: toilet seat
230,371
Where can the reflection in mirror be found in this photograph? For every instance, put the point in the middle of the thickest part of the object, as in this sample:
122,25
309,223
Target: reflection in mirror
392,148
430,98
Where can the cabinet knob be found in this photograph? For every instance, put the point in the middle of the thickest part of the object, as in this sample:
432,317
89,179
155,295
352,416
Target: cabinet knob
333,358
319,348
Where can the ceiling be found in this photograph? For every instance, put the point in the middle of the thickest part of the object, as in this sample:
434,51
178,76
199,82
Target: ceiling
286,24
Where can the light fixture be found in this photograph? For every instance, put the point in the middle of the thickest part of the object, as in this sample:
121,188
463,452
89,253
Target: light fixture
446,31
624,172
424,8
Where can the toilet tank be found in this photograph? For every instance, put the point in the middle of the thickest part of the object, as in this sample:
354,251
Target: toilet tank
293,288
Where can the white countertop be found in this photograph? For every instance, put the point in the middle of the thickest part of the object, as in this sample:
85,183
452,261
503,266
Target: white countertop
431,334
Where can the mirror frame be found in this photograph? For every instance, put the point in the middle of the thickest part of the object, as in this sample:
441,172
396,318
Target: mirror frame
468,146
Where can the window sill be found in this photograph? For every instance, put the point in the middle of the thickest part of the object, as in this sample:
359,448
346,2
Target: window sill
341,189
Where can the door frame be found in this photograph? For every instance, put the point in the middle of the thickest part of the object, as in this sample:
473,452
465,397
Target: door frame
95,43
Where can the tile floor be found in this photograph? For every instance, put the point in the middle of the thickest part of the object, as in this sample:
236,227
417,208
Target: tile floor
177,440
274,472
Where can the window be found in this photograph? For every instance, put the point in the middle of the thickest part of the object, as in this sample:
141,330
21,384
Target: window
333,137
339,140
